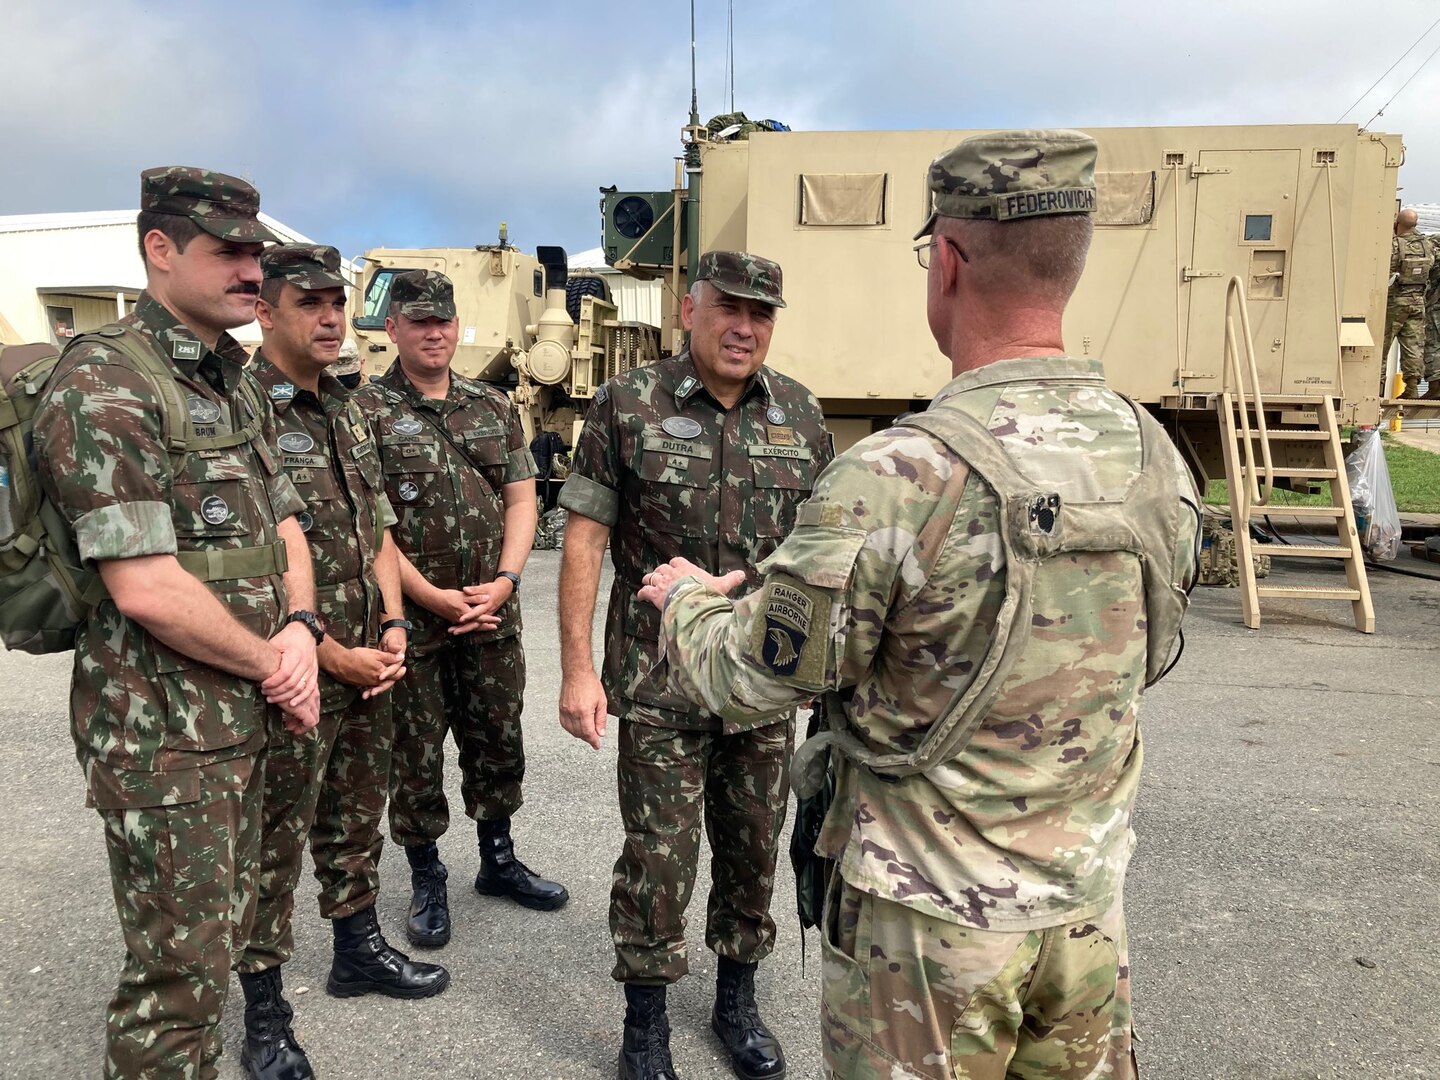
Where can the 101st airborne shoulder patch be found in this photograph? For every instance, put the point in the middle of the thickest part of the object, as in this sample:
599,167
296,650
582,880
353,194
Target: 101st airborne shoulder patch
794,634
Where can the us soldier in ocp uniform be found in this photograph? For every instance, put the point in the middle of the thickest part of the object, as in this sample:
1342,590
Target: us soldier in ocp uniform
462,482
706,455
1411,259
329,785
174,669
974,925
1432,322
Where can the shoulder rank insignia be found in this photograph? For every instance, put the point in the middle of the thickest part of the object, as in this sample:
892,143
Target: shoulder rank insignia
686,385
282,392
602,392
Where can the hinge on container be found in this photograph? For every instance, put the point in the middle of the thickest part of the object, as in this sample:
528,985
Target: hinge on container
1191,274
1202,170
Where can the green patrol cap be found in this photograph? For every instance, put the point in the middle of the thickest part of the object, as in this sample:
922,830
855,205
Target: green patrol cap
310,266
224,206
422,294
1009,175
738,273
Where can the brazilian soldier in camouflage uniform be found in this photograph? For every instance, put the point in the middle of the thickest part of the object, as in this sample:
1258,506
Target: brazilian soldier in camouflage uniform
974,928
461,479
331,783
176,671
1411,260
706,455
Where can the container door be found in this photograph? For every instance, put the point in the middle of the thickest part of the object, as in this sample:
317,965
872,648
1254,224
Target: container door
1244,225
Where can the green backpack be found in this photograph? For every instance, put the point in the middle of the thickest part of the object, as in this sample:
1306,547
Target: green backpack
46,591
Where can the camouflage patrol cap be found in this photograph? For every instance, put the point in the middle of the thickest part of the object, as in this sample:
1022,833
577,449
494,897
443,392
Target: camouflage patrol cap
310,266
1009,175
422,294
224,206
738,273
348,362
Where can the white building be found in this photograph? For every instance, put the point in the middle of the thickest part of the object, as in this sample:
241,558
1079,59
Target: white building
64,274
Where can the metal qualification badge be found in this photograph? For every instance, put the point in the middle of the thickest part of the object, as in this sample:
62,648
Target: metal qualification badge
295,442
214,509
409,491
682,427
406,425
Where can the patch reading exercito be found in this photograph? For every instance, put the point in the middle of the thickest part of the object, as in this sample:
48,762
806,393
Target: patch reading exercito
775,414
682,427
406,425
214,509
202,410
295,442
409,491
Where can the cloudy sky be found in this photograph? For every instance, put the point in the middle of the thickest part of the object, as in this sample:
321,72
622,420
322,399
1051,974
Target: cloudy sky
427,122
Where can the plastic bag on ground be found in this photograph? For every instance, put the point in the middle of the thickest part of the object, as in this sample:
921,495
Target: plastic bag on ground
1376,516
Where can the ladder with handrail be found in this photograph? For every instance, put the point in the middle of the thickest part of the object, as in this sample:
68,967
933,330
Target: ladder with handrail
1252,482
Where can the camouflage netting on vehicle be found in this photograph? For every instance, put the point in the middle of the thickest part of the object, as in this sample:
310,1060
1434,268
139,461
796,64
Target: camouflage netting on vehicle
1218,565
737,125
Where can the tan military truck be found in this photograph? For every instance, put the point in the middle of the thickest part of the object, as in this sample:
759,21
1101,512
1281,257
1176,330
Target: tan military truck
1236,287
526,324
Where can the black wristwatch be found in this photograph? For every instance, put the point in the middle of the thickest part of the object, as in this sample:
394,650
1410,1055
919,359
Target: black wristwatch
311,621
514,578
397,624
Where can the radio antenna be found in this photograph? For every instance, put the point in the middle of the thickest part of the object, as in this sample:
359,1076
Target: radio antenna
694,103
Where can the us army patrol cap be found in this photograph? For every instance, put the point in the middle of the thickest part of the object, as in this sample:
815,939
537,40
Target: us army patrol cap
1011,175
310,266
224,206
422,294
348,362
738,273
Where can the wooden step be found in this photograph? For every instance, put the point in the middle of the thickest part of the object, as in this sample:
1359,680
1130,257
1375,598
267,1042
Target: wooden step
1332,513
1290,435
1288,399
1307,592
1307,551
1299,474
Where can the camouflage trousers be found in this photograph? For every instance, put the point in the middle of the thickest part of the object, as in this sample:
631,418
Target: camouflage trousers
668,779
1405,320
908,996
1432,340
328,784
475,692
183,877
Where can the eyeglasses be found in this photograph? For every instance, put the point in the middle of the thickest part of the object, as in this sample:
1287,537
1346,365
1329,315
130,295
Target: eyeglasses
922,251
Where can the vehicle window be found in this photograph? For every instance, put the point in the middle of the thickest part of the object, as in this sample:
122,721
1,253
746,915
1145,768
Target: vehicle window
377,299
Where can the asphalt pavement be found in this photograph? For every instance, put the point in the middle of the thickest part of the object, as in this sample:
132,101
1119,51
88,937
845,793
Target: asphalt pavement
1284,903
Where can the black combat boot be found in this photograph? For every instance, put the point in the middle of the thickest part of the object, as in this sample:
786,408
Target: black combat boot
366,964
429,922
271,1052
645,1051
754,1053
501,874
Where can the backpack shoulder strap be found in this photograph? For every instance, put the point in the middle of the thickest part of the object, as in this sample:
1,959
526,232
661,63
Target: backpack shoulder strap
176,429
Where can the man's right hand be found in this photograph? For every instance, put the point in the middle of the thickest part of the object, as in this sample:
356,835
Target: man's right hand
304,716
360,667
463,613
583,707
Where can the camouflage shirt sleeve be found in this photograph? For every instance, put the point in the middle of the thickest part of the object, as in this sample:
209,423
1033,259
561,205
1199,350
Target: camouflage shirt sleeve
385,515
592,489
103,463
818,620
521,465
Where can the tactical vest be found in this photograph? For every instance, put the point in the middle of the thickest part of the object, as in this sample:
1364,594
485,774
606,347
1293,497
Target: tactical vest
1036,526
46,592
1412,258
